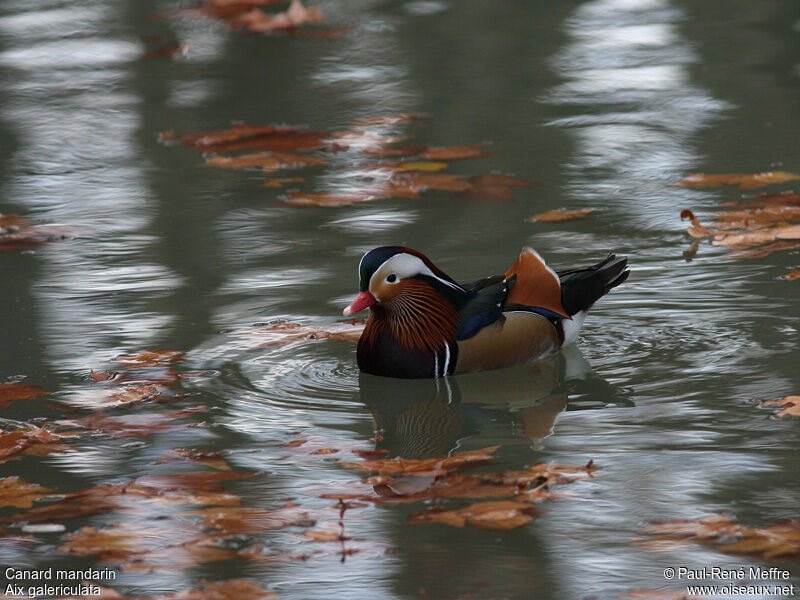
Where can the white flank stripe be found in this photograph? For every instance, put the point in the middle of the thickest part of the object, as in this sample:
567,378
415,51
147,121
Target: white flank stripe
446,358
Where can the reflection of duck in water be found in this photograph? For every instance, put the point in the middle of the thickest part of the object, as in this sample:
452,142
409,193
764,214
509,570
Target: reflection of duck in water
427,418
423,324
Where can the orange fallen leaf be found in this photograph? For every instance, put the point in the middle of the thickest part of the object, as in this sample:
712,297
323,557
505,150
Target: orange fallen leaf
248,520
17,233
282,334
267,161
763,251
15,491
789,404
149,358
453,152
12,391
745,181
138,495
280,182
413,465
499,515
696,229
135,425
17,440
209,459
553,216
325,199
493,188
781,540
791,275
137,548
256,21
234,589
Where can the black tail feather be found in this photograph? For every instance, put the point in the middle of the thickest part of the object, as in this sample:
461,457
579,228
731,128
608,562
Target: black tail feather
580,288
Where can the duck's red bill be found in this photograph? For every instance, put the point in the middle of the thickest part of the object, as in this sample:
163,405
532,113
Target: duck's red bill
362,301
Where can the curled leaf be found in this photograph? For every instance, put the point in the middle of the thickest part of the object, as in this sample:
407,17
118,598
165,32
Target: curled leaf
553,216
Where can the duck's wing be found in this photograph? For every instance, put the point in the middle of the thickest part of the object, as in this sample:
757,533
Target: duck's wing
487,299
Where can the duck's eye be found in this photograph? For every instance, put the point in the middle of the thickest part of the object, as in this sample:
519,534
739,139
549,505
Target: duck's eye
391,278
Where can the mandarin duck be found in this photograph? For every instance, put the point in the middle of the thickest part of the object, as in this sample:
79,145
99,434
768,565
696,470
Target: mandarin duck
424,324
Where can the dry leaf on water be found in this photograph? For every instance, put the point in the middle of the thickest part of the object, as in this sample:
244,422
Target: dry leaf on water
138,495
791,275
453,152
412,465
500,514
297,15
553,216
137,548
493,188
134,425
789,404
149,358
745,181
17,233
17,440
235,520
781,540
209,459
283,334
15,491
267,161
12,391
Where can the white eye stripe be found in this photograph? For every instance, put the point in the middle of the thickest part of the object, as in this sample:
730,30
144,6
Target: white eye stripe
407,265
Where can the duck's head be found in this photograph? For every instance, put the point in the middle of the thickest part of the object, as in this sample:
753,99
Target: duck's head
391,274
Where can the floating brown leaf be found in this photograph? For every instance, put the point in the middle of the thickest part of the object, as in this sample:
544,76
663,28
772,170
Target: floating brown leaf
382,151
553,216
763,251
149,358
138,495
234,589
791,275
15,491
453,152
325,199
135,425
411,465
248,520
493,188
789,404
781,540
282,138
297,15
282,334
500,515
267,161
17,440
17,233
745,181
280,182
12,391
696,229
209,459
137,548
